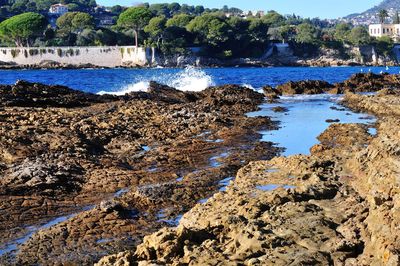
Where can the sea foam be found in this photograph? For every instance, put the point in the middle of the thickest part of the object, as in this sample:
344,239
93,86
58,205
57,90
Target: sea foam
189,79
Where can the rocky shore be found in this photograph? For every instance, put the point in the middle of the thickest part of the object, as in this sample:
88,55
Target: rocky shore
170,177
338,206
86,175
185,61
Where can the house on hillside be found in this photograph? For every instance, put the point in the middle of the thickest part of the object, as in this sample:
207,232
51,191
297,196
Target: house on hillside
380,30
58,9
105,20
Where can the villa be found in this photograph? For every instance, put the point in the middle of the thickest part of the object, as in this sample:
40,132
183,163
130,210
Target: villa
58,9
380,30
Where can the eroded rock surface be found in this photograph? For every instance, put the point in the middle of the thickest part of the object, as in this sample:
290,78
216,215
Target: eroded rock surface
83,175
304,87
338,206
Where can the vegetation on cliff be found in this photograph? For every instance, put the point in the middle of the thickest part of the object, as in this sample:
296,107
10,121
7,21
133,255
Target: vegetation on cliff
177,29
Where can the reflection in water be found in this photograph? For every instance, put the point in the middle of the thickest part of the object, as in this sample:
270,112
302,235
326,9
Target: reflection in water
304,121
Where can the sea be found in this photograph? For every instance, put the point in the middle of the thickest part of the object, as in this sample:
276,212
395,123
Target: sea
121,81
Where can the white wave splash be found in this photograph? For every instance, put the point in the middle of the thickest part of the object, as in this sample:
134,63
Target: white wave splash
139,86
249,86
190,79
312,97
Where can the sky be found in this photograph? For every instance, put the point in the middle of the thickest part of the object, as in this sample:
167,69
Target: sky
304,8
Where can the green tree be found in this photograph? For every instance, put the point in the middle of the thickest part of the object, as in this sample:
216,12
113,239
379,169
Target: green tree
209,29
258,30
87,37
117,9
284,33
175,39
155,29
359,36
273,19
73,7
307,34
82,21
198,10
23,27
181,20
240,38
384,45
174,8
64,23
135,18
383,14
160,10
396,18
342,32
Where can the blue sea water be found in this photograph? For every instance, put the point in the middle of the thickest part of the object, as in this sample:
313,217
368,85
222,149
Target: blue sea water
125,80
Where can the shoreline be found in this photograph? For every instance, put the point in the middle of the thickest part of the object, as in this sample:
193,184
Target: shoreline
249,65
142,159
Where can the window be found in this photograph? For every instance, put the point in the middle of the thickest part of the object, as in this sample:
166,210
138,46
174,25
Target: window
383,30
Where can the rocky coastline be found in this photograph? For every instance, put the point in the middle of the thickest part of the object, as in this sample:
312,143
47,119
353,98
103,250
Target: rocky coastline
168,177
185,61
106,170
338,206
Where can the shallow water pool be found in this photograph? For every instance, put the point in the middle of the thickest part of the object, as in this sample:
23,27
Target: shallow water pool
305,119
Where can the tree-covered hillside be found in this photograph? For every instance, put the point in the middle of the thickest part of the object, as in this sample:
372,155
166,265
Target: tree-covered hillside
176,29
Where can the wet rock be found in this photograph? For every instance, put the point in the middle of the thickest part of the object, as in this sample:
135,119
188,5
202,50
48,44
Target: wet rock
57,161
26,94
40,176
270,93
280,109
110,206
368,82
304,87
120,259
171,95
332,120
337,206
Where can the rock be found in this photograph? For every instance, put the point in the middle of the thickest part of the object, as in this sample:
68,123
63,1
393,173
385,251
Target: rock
270,92
304,87
55,163
332,120
26,94
108,206
337,205
171,95
369,82
41,177
120,259
280,109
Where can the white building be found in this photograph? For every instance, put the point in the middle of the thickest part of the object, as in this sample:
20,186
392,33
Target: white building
380,30
58,9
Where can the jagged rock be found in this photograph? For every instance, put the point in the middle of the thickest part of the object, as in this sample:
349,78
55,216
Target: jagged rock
57,164
42,177
270,92
369,82
110,206
304,87
336,206
280,109
26,94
